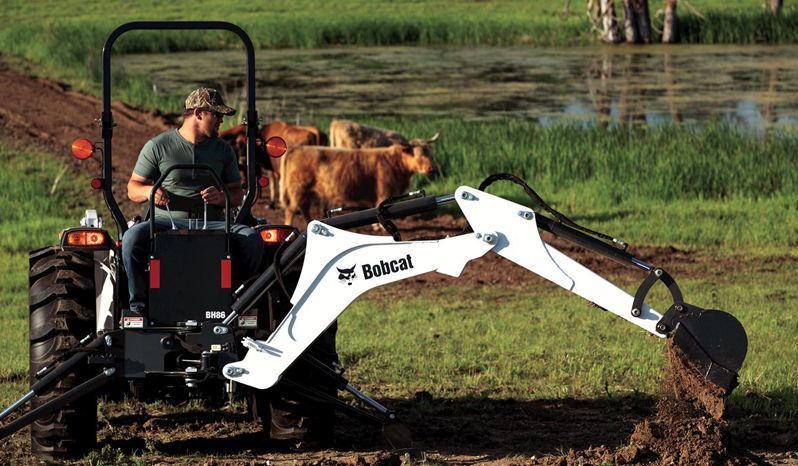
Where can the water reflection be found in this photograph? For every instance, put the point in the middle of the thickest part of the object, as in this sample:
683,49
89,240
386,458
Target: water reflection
754,86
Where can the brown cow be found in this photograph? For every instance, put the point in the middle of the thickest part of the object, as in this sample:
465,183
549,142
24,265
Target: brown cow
343,177
345,133
293,135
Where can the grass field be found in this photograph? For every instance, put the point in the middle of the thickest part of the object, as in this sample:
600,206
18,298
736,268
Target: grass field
63,40
717,191
33,210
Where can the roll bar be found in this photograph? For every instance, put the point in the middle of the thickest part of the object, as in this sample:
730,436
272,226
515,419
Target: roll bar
107,120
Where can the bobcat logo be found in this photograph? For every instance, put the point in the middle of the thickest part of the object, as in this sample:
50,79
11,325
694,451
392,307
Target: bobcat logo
347,274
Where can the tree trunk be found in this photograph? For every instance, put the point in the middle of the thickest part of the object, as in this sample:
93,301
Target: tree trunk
629,29
669,34
643,21
609,26
774,6
636,21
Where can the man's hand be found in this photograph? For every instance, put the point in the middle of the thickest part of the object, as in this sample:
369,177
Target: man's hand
161,197
213,196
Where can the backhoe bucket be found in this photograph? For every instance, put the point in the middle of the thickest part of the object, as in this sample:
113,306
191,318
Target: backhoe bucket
713,341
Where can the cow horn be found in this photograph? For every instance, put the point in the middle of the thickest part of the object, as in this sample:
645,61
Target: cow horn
434,137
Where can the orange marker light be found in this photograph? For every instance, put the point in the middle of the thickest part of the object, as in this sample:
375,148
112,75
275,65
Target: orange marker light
276,147
274,235
85,238
82,149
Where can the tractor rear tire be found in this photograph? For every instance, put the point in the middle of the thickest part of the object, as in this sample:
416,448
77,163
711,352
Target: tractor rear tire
62,312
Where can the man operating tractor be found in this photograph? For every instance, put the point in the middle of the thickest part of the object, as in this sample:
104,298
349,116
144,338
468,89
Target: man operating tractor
187,198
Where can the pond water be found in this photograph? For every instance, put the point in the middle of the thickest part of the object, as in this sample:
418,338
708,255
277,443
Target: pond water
754,86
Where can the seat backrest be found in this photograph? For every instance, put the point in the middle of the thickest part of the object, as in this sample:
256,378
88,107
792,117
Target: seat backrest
190,277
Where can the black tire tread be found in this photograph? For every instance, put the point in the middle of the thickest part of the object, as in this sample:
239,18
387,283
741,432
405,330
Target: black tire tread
62,311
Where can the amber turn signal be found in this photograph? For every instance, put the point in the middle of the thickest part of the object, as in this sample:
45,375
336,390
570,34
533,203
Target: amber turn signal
275,235
85,238
82,149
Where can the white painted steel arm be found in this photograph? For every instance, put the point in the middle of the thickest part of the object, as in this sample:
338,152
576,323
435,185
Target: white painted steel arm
340,265
519,241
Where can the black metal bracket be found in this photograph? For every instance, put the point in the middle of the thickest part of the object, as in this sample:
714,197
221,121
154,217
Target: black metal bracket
656,274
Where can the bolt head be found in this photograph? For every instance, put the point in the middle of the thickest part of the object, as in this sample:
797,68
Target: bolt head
636,312
658,272
662,328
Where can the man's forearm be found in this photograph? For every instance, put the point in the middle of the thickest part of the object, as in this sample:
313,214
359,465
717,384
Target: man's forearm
138,192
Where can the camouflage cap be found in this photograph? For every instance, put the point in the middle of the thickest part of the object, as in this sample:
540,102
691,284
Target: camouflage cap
210,99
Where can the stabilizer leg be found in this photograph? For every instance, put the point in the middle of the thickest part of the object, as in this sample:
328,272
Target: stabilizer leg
81,390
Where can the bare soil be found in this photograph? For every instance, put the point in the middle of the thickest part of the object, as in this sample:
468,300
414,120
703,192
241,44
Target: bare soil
685,429
633,429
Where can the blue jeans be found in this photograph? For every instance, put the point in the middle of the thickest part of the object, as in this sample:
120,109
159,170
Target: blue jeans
246,245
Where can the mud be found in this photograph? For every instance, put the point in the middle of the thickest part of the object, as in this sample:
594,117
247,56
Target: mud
689,388
686,429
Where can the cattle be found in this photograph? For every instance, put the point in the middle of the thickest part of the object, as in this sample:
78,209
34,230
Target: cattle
336,177
293,135
348,134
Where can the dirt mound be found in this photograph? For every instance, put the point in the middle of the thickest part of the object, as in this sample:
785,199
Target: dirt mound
686,429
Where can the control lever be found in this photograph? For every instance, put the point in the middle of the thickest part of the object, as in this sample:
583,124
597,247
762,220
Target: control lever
169,212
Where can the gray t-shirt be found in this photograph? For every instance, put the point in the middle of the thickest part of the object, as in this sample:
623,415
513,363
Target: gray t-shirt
184,186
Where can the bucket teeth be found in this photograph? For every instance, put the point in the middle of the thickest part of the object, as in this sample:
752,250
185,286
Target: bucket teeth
714,342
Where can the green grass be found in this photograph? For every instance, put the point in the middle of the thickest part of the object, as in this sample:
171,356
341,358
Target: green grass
31,216
540,342
735,188
63,40
531,342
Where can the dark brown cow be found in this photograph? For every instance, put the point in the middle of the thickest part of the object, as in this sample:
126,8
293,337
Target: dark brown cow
293,135
346,177
348,134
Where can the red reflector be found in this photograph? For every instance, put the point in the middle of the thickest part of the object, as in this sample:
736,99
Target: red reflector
155,274
276,146
227,275
97,183
263,181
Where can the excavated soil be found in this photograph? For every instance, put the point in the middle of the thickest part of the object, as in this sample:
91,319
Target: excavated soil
686,428
683,427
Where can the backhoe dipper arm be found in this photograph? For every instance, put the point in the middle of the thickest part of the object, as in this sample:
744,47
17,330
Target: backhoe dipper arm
339,266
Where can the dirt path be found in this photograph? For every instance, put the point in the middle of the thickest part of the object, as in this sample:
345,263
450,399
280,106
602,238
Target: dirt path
48,115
